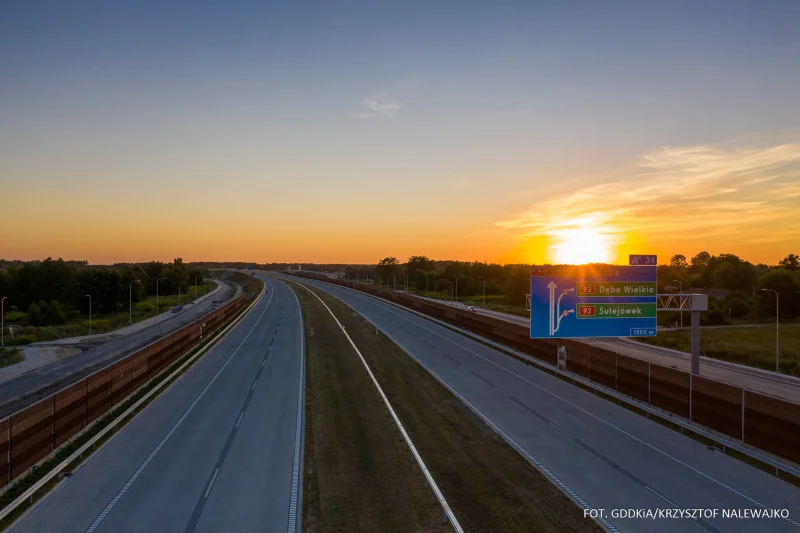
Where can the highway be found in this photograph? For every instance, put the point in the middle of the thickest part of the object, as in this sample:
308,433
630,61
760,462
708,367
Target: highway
20,390
219,451
602,455
754,379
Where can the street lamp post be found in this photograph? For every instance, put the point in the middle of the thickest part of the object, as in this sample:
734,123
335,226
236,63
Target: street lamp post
130,300
90,313
456,277
680,284
179,294
426,280
777,332
195,286
159,279
3,322
484,291
451,288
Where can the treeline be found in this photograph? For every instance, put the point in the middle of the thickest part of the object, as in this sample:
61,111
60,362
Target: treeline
737,282
44,288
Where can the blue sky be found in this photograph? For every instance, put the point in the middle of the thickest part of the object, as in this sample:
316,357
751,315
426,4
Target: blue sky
472,104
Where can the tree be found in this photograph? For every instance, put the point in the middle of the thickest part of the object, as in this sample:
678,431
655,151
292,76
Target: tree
788,289
55,315
700,262
790,262
419,262
34,315
387,267
177,274
678,261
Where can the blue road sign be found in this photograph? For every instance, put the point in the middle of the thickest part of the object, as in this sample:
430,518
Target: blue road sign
593,301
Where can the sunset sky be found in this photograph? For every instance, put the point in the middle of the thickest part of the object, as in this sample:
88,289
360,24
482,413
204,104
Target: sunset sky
348,131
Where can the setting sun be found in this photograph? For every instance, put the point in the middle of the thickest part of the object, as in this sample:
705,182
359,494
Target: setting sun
578,246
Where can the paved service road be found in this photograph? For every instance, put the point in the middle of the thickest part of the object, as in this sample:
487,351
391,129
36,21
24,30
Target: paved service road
218,451
754,379
609,457
46,379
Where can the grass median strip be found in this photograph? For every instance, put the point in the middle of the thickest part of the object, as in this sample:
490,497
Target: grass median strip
359,475
487,483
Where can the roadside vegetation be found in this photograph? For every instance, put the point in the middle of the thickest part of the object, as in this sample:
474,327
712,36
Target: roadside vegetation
489,486
746,345
10,356
358,473
49,300
733,283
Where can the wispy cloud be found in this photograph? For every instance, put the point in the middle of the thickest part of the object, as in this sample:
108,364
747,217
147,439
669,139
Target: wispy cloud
733,193
378,106
463,183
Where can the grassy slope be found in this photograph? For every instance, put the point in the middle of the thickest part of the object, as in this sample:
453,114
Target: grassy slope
358,472
78,324
488,484
751,345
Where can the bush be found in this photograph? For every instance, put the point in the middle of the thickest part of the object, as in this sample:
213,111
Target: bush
714,317
55,316
34,315
738,308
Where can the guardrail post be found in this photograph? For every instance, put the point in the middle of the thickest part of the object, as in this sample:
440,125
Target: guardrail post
53,421
691,395
8,452
742,416
648,388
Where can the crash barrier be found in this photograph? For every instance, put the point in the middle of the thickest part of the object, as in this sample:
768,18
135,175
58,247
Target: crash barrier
768,423
32,434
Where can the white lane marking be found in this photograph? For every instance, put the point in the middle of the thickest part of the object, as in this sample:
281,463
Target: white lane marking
254,385
672,503
294,498
213,478
240,419
510,440
124,489
637,439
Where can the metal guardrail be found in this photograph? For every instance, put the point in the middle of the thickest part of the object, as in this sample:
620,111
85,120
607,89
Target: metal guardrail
664,415
448,512
28,494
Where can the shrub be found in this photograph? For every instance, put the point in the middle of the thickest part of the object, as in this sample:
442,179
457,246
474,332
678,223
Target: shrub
34,315
55,315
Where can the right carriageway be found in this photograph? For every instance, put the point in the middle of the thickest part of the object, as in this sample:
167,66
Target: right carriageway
602,455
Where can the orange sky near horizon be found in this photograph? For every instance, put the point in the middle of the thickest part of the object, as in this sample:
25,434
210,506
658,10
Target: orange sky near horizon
736,197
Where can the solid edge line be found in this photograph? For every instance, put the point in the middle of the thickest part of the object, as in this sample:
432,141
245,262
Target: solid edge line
110,506
434,486
177,374
296,494
538,465
468,334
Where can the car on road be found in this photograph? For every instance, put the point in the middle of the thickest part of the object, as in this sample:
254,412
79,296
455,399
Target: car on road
472,308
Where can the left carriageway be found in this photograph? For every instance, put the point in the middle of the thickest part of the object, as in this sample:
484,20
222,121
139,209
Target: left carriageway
220,450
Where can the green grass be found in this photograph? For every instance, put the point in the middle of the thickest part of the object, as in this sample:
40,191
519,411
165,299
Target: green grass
78,324
752,346
10,356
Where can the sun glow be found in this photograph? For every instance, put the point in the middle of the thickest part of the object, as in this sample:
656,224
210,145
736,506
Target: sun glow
579,246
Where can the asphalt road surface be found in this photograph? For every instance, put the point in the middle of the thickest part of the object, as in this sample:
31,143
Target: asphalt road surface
216,452
604,455
24,389
754,379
